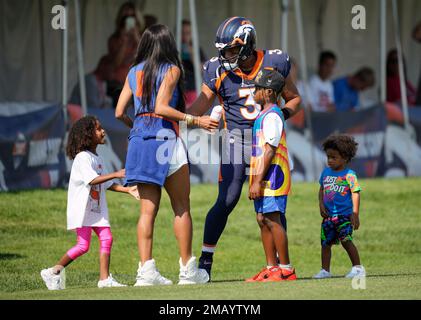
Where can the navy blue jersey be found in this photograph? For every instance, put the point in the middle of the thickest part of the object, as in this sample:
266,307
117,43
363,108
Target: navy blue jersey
235,89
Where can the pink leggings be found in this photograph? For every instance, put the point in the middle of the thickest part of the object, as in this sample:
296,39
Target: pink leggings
84,235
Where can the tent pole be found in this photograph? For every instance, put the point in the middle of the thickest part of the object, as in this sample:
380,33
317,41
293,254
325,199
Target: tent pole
303,62
402,79
179,24
65,53
196,49
383,10
284,24
81,67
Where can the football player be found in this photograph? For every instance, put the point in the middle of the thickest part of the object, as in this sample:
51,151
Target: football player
230,78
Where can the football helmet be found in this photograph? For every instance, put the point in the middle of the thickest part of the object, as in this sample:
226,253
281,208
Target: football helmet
235,32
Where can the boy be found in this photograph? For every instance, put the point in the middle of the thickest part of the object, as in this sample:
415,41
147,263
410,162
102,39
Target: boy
339,201
270,177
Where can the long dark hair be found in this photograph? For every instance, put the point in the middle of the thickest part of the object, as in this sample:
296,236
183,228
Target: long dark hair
81,136
157,47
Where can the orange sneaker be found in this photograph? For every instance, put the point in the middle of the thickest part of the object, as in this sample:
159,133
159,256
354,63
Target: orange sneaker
279,274
264,273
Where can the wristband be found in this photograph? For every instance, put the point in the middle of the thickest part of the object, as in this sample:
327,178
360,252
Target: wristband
286,112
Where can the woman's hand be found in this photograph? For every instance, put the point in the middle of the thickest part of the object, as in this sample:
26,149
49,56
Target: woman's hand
134,192
205,122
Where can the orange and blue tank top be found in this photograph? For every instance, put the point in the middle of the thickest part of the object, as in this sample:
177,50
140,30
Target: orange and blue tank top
277,181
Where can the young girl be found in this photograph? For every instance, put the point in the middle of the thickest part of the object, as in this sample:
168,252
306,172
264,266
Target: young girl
154,84
86,204
339,202
270,180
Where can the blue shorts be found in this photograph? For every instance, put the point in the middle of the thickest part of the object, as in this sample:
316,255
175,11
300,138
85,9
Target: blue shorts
271,204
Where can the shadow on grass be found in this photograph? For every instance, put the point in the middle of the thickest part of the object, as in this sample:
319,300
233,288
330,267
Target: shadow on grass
333,277
10,256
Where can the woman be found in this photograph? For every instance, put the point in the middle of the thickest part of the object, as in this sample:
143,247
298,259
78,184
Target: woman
155,81
122,46
393,81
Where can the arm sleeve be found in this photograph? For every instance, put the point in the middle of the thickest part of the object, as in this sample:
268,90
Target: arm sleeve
85,173
272,129
352,180
209,76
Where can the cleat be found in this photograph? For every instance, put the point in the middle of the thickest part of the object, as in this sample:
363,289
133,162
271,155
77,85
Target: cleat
279,274
206,264
263,274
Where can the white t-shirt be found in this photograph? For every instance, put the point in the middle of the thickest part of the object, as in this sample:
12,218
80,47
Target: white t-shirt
272,132
321,93
272,129
86,204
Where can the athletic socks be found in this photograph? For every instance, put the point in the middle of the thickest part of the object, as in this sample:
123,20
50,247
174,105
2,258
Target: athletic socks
205,262
286,266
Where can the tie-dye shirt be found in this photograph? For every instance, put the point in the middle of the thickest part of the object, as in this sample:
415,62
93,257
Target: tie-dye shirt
337,188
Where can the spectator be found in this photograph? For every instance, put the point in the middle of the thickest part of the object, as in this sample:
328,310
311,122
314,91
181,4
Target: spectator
96,87
320,87
150,20
187,60
393,81
346,89
416,35
122,46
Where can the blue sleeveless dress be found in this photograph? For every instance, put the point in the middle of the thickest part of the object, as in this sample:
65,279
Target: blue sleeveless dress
152,138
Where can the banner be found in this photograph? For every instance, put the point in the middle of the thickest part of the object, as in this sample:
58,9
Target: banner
33,137
31,146
366,126
385,147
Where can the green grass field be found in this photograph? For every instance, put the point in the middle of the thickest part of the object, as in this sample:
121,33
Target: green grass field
33,236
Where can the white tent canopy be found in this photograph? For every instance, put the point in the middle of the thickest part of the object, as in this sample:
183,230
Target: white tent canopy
31,67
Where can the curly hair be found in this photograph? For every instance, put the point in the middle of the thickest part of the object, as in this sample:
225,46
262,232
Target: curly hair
81,136
344,144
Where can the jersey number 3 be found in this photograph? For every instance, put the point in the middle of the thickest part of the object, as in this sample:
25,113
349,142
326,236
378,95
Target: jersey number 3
247,93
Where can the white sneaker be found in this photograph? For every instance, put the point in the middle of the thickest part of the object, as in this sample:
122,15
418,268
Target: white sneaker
191,274
356,271
323,274
109,282
148,275
52,281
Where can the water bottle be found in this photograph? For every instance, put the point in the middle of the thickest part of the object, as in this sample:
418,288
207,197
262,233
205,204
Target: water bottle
216,115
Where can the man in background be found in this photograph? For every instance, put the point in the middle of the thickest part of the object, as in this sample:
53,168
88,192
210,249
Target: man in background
346,89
